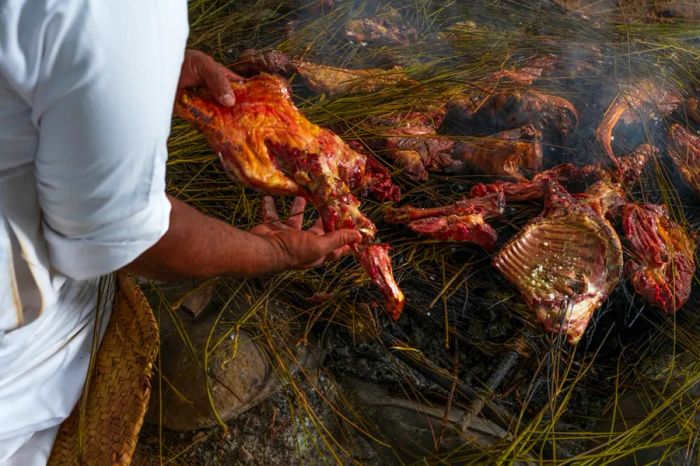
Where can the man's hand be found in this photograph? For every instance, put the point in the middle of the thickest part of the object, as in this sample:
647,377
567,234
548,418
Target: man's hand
201,69
297,248
198,246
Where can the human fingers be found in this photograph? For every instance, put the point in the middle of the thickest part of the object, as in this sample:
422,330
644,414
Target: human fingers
218,79
199,68
317,228
269,211
338,253
338,239
296,219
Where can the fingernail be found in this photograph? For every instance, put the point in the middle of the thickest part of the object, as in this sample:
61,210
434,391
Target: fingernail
228,100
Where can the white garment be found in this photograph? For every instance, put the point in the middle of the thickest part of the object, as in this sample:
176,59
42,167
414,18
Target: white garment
86,93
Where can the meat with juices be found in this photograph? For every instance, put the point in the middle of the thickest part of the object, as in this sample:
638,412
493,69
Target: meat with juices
662,262
463,221
265,142
565,263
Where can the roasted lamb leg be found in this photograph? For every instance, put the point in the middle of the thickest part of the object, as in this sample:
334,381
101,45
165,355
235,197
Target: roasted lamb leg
415,146
265,142
509,153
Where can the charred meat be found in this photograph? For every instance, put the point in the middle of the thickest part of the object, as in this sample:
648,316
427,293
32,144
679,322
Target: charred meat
512,109
265,142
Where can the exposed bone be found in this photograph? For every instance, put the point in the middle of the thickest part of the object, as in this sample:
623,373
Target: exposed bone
565,263
635,102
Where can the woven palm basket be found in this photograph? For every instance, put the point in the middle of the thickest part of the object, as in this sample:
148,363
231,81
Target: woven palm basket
104,426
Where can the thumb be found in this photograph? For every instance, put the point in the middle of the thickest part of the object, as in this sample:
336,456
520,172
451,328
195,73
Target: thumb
219,84
339,238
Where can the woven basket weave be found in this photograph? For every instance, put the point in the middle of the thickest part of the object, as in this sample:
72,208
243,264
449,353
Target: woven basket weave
104,426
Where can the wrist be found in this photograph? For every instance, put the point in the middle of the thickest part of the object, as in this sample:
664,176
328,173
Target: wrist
274,253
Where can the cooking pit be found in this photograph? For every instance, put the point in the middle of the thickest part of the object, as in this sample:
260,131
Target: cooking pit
547,155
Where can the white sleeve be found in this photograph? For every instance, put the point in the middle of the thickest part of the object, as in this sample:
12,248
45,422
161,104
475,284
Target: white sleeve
102,105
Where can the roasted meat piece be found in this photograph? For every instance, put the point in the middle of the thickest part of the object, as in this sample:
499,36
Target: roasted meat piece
253,61
532,70
331,80
512,109
685,153
410,139
380,31
662,262
463,221
508,153
565,263
265,142
322,79
416,147
636,102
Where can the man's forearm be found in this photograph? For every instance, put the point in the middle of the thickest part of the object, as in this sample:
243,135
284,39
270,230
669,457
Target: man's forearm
197,246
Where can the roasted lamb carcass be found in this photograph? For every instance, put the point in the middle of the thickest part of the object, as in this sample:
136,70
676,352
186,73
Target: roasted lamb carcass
265,142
